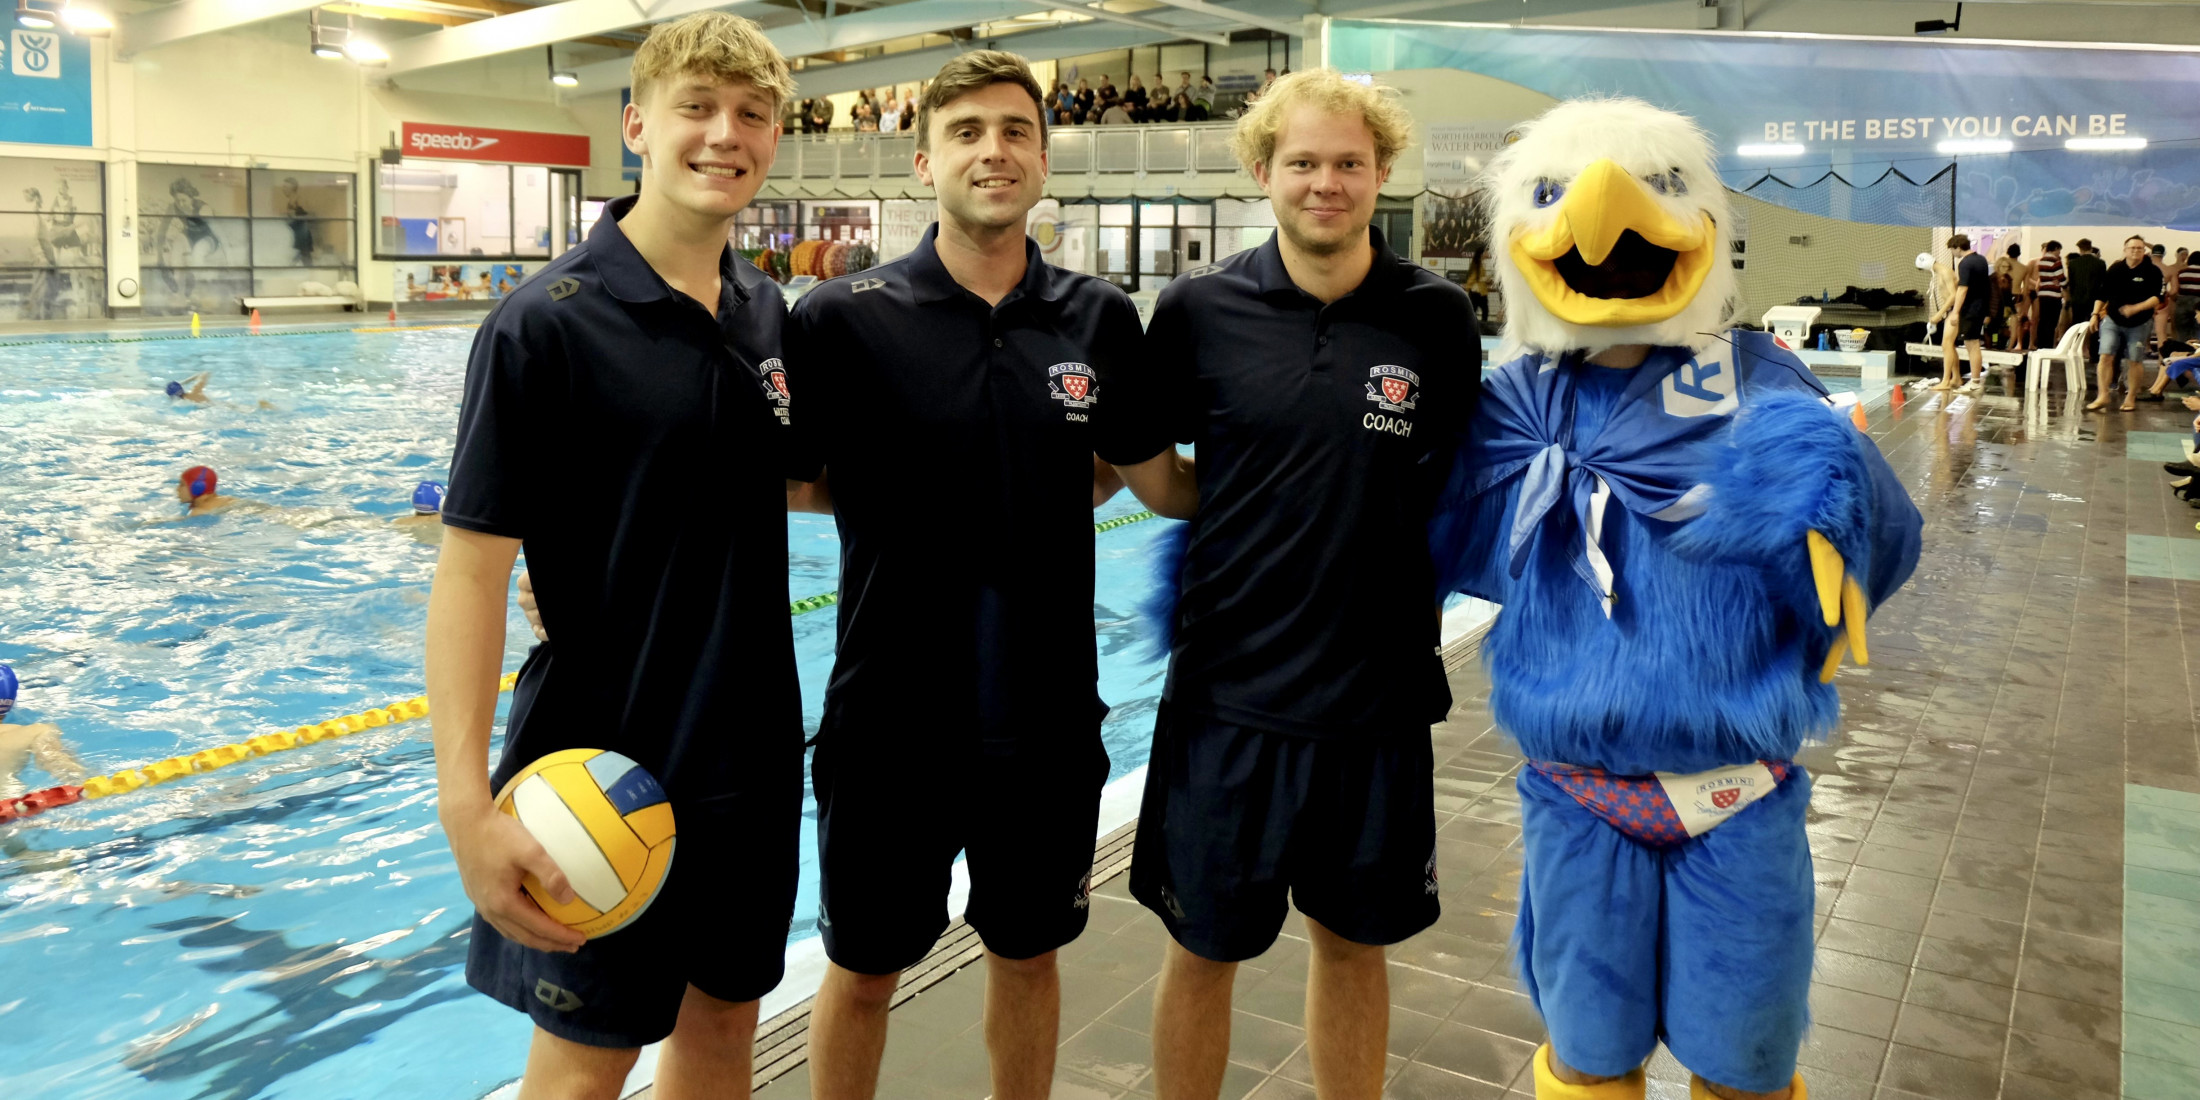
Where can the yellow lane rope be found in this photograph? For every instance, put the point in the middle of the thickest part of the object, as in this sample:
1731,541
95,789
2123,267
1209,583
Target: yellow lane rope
221,756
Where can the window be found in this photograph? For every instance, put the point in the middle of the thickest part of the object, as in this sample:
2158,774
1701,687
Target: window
446,209
208,237
53,240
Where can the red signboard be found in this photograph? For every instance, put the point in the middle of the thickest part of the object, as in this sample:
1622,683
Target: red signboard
423,139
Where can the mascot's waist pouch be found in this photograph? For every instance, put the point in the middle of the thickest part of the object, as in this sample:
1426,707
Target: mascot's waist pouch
1664,809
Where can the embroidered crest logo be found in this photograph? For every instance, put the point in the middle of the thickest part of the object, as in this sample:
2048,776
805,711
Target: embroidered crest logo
563,289
559,1000
1074,385
1700,387
773,372
1720,795
1393,388
861,285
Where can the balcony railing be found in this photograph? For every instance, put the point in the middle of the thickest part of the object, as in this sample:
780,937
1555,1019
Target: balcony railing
1142,150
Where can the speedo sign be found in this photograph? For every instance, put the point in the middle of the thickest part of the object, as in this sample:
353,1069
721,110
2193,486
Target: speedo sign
424,139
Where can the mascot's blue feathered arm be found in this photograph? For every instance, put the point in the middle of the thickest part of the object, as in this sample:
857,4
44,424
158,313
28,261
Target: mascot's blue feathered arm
1799,491
1158,609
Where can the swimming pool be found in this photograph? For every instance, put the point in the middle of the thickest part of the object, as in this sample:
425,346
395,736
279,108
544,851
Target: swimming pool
291,925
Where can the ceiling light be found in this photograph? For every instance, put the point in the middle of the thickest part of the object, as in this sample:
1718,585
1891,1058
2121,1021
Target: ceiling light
1976,145
2103,144
87,21
365,52
33,17
563,78
1770,149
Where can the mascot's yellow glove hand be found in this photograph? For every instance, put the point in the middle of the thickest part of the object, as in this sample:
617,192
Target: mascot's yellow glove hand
1841,601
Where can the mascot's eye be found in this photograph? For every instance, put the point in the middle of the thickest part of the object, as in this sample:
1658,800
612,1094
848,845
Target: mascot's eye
1548,192
1667,182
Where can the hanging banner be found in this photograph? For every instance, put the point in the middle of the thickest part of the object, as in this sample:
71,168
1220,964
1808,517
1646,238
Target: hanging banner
1861,108
45,88
479,143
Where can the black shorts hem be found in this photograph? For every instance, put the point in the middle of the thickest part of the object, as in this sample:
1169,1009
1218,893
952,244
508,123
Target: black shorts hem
1378,929
875,961
1023,944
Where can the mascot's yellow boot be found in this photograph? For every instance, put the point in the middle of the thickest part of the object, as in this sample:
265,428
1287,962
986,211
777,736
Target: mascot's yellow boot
1549,1087
1696,1090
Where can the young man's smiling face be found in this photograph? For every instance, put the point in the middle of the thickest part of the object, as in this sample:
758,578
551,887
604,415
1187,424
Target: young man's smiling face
1323,179
705,144
985,157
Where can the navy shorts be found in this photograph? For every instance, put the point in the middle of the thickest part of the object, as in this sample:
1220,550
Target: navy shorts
893,810
1237,818
719,923
1972,324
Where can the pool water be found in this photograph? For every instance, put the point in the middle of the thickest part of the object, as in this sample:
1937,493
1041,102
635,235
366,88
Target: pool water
292,925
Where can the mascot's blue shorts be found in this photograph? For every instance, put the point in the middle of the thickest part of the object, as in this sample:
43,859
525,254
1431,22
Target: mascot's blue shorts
1705,945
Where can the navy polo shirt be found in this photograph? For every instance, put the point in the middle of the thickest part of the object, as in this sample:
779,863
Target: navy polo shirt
958,440
636,444
1323,433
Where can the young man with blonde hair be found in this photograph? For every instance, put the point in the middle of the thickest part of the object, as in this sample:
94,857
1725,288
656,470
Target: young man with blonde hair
974,359
636,362
1322,379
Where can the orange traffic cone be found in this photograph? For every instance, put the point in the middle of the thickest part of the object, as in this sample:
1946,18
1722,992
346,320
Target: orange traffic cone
255,320
1897,397
1856,416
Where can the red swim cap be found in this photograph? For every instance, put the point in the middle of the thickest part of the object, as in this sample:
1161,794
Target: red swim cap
201,480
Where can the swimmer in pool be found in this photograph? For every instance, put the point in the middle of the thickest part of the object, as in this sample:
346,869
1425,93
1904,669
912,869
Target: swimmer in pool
192,389
426,521
39,743
196,488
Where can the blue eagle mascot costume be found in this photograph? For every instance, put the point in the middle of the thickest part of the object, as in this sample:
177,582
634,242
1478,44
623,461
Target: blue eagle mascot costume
1685,539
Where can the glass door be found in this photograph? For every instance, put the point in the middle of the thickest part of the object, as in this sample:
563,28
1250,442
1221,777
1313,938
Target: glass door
565,210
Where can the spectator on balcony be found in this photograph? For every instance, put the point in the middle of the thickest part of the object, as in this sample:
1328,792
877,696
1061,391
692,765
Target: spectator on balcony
1184,84
821,115
1084,100
908,111
1113,113
1189,109
1134,100
1106,91
1205,95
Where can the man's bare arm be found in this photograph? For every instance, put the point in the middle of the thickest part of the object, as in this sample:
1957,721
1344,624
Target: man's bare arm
1164,483
810,496
54,756
465,658
1106,482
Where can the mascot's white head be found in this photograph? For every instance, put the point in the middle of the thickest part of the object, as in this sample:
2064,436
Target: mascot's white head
1611,227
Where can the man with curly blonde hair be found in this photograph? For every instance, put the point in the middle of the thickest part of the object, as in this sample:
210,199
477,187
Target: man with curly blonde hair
639,356
1321,378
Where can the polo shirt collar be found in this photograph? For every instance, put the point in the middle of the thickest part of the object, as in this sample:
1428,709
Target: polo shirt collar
1272,277
628,277
930,281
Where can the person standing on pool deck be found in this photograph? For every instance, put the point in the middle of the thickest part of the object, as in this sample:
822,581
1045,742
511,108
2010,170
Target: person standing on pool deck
974,356
633,361
1322,378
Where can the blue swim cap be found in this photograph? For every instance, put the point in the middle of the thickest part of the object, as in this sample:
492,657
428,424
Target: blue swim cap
7,690
175,389
428,498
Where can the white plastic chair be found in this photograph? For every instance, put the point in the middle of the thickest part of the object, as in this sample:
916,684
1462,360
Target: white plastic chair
2070,351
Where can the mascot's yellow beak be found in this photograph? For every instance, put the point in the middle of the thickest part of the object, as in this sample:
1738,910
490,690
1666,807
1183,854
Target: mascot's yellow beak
1585,273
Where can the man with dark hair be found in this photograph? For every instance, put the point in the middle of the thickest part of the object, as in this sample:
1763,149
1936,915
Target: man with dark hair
971,356
1973,292
2130,291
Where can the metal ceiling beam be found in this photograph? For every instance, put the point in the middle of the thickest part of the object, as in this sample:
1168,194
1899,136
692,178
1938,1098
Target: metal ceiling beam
1213,38
535,27
135,34
1280,26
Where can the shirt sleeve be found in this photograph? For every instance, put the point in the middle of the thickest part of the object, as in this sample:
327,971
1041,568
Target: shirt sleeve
809,403
1141,377
505,415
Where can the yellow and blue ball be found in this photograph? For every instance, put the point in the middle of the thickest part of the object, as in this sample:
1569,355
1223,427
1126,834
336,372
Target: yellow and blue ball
606,823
